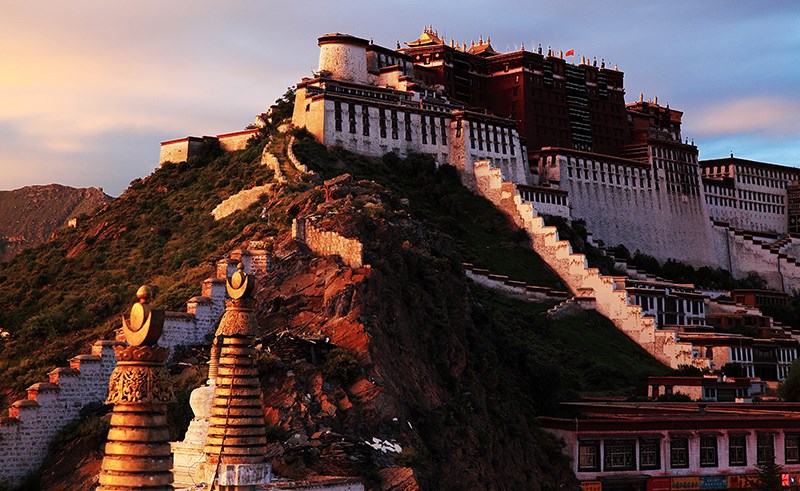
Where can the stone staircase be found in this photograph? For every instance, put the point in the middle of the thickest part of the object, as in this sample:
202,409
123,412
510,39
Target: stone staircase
574,305
33,422
609,291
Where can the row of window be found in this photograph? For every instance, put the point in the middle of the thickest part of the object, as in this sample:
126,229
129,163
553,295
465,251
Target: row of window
540,197
500,137
759,181
667,153
621,454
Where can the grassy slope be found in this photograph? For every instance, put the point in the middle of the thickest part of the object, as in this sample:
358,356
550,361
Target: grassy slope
483,234
159,231
588,354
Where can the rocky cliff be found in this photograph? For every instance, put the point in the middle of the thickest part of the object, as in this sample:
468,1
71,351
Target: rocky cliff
30,215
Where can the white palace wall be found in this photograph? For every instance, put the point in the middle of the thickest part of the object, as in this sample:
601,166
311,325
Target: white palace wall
634,213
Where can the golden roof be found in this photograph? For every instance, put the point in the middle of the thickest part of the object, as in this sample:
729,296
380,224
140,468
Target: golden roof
428,37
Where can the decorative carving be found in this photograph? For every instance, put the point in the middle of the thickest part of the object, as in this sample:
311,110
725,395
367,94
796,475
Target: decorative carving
141,353
138,384
237,320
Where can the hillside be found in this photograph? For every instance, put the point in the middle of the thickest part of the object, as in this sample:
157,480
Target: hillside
406,351
30,215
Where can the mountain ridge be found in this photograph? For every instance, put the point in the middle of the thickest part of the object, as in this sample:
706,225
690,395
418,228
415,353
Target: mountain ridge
31,214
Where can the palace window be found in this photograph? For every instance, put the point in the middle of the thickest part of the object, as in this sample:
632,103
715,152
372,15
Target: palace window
737,450
792,448
619,455
351,110
765,448
382,121
649,454
444,131
365,119
407,121
589,455
708,451
423,128
394,125
433,129
337,114
679,452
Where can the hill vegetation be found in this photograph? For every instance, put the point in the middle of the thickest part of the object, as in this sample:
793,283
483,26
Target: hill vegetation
465,370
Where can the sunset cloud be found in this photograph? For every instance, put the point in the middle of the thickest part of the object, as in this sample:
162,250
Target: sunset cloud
80,81
764,116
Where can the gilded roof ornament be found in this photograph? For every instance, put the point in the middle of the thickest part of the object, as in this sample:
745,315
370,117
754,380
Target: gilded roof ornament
145,325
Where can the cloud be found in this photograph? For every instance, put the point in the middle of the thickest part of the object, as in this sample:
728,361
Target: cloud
764,116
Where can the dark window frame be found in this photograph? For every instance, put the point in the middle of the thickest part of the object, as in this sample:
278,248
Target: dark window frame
737,450
709,451
622,448
679,452
589,445
643,444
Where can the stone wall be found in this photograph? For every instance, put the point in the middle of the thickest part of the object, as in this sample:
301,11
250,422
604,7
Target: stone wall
33,422
293,158
609,292
179,150
231,142
326,243
517,289
626,202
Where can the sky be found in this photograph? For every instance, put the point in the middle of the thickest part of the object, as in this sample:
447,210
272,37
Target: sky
89,88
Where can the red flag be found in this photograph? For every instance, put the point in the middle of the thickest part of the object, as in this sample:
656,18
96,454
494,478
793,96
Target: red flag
570,53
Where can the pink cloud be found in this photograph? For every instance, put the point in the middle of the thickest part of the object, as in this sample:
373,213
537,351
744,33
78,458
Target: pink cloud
765,116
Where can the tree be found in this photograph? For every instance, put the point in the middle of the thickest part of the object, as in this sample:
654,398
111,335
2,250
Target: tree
769,476
789,390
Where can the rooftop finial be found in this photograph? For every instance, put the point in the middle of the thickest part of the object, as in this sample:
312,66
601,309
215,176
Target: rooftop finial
602,63
641,96
480,40
594,61
539,49
522,47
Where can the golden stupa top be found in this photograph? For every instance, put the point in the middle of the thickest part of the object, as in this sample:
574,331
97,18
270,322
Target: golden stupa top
428,37
146,324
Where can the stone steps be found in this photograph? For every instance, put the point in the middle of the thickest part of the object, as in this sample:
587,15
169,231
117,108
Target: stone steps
608,291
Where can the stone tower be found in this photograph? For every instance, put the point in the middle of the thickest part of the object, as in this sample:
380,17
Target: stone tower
137,455
236,445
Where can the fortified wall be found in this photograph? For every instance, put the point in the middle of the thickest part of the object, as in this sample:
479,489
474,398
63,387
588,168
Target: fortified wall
181,149
328,243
